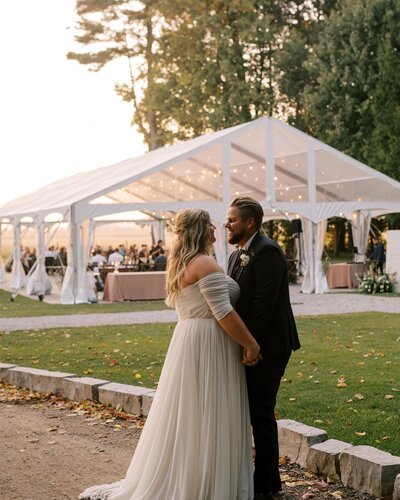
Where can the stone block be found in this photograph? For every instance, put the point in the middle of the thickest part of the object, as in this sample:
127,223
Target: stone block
147,400
369,470
82,388
396,489
35,379
295,440
4,367
130,397
323,458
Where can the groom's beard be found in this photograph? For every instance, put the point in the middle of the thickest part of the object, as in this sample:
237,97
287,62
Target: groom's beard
235,238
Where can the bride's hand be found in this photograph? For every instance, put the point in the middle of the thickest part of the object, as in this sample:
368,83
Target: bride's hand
251,354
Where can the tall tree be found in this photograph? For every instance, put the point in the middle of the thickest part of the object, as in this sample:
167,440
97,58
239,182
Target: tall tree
113,29
219,61
304,21
353,99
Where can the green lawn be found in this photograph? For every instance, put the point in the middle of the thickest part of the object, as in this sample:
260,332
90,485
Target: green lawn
24,306
345,378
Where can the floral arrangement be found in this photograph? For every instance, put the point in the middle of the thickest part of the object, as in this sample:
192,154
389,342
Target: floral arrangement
377,283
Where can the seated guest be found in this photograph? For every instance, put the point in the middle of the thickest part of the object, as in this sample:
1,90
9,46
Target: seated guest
49,259
24,258
156,250
378,255
143,253
160,262
121,250
31,259
132,254
62,256
115,256
98,258
143,257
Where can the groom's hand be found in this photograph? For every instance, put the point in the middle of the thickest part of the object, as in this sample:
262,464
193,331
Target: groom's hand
251,355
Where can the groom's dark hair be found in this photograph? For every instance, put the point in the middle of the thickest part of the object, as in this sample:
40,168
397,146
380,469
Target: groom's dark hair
249,207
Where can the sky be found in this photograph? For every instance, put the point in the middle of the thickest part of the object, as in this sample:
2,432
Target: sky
56,117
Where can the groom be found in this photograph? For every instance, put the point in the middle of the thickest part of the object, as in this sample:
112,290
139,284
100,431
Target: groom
260,269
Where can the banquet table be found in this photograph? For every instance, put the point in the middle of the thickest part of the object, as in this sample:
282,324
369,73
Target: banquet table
134,286
343,275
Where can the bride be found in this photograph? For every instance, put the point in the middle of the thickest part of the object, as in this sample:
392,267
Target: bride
196,444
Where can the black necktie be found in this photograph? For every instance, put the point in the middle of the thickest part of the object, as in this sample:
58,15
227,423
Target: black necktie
237,264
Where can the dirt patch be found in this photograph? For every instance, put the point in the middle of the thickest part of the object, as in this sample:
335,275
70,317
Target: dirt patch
52,449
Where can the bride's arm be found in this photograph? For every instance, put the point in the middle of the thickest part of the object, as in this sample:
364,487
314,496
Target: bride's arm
237,330
215,291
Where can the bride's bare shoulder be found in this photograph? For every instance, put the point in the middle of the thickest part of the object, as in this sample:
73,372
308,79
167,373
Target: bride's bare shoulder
198,268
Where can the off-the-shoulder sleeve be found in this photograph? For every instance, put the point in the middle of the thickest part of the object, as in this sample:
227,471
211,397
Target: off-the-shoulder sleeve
214,288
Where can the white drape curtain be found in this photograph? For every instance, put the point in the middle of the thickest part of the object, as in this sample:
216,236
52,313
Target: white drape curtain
314,280
2,272
360,226
75,289
38,282
17,272
158,231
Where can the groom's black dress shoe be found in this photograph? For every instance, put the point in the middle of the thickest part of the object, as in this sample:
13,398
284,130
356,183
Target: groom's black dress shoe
263,496
268,496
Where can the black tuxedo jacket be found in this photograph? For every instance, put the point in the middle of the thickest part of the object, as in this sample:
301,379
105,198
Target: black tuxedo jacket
264,303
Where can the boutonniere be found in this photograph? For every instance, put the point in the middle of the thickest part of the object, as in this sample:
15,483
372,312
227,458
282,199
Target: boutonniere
245,258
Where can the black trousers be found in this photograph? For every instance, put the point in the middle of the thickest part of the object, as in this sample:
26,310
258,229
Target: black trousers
263,383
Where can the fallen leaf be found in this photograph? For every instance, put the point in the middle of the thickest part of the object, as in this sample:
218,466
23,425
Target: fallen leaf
51,442
337,494
359,396
292,484
292,399
321,485
52,429
389,396
361,434
308,495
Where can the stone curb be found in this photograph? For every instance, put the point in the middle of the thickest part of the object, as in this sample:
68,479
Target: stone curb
363,468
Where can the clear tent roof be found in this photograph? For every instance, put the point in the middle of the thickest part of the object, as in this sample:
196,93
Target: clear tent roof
305,177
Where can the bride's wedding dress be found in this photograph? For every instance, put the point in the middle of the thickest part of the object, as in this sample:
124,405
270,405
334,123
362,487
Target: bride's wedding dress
196,444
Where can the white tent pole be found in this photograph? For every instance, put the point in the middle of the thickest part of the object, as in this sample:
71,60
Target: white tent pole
312,200
74,249
360,226
2,274
70,283
226,199
270,165
17,272
89,240
38,282
311,174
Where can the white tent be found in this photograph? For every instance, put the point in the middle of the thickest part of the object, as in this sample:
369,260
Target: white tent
290,173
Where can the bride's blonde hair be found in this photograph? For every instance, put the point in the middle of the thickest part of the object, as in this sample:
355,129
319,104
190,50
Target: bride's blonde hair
192,228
